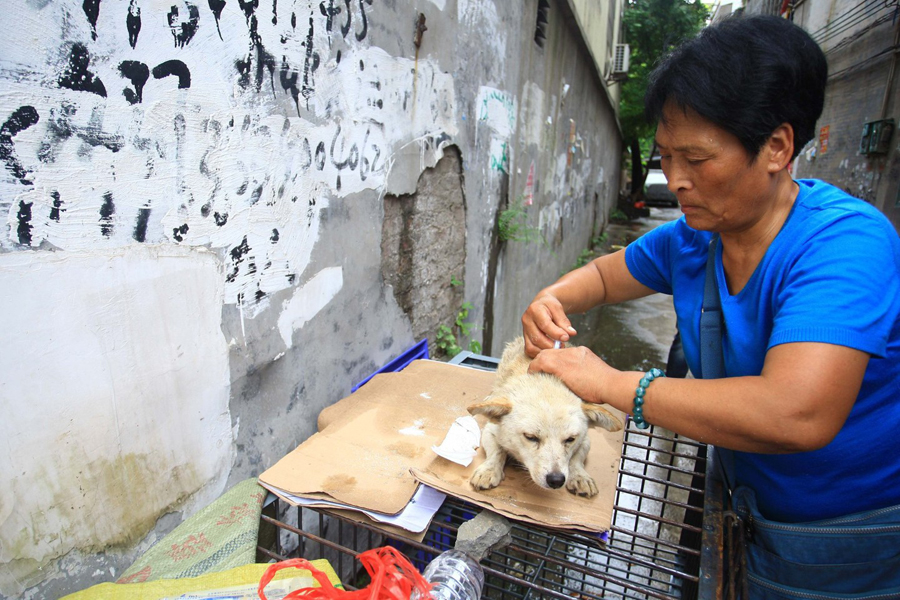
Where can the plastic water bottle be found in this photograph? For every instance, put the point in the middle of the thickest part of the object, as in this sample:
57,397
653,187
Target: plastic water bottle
454,576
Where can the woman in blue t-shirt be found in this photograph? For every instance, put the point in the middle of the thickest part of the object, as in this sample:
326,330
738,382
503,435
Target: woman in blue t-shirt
809,284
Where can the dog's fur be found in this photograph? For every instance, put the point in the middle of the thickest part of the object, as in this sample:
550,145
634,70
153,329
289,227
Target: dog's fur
535,419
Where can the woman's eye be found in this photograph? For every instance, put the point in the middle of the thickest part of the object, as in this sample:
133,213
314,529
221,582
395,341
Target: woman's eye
531,438
696,161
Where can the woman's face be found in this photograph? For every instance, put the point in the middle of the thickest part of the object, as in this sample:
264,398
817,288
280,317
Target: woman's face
718,187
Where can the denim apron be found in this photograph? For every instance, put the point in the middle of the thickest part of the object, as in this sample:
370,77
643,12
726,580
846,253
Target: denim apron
852,557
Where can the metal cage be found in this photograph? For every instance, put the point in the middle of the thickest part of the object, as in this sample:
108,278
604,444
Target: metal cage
665,539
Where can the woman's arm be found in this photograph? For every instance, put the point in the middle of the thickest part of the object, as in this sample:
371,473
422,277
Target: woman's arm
605,280
798,403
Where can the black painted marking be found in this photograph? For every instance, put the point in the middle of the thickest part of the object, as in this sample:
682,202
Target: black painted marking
361,35
107,210
275,237
91,10
310,64
256,195
329,12
204,210
179,232
260,295
133,22
345,28
140,227
249,7
21,119
174,67
288,79
184,31
24,227
57,206
77,76
237,256
138,73
217,6
274,12
220,219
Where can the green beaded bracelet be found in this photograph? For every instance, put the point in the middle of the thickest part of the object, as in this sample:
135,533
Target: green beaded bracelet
638,412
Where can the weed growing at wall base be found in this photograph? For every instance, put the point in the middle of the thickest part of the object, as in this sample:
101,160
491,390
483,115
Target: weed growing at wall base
446,337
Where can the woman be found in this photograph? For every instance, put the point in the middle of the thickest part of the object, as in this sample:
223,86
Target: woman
809,283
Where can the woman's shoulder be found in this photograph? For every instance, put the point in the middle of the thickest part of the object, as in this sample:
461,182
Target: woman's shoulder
830,202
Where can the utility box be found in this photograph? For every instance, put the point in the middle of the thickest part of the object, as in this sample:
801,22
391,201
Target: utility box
876,137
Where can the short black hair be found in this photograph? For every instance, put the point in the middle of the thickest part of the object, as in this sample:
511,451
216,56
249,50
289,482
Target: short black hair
747,75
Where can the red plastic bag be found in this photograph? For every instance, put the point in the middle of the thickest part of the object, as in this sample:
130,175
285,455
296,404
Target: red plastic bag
392,575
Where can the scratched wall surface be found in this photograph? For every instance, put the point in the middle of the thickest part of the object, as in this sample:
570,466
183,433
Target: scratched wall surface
193,195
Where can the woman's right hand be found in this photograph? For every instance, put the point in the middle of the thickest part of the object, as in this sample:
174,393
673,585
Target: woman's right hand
544,323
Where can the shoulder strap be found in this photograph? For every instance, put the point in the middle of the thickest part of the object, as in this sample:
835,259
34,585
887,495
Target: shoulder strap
711,362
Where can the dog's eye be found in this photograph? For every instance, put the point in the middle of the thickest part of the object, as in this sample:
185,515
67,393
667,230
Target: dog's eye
570,439
531,438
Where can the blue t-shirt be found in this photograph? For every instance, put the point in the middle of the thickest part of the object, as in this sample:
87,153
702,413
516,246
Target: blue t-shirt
832,275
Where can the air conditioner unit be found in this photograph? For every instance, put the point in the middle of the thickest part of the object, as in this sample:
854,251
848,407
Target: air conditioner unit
620,61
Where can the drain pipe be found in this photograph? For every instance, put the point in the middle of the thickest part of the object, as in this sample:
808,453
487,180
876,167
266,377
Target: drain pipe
890,79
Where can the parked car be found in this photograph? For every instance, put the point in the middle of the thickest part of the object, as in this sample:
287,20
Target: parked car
656,190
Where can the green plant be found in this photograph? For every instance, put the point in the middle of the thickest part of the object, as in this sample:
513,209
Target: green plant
446,337
512,225
618,215
454,281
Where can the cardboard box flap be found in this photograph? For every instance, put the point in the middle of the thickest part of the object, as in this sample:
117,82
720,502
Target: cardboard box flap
518,497
370,440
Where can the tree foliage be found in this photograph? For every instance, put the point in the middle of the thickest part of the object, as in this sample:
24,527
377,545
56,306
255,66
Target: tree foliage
653,28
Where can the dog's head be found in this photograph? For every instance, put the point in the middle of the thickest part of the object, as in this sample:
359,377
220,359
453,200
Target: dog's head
543,425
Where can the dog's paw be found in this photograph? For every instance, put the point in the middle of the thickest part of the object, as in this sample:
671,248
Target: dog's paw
486,477
582,485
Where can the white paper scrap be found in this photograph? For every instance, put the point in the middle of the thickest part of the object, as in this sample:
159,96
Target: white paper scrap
461,442
415,516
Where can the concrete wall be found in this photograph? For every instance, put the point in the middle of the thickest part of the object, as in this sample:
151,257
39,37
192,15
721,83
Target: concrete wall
211,211
857,39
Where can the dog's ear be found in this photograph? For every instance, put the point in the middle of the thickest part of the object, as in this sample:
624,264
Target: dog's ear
600,417
493,407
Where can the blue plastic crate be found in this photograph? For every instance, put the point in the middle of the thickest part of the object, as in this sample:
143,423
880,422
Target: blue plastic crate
417,350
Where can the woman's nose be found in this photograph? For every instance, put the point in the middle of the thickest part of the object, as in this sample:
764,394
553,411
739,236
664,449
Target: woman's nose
676,178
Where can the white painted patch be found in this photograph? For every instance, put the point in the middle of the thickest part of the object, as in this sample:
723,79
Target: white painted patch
481,21
440,4
533,111
308,300
114,395
497,111
242,168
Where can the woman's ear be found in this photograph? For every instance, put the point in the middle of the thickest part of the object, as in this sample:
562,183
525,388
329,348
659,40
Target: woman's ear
779,148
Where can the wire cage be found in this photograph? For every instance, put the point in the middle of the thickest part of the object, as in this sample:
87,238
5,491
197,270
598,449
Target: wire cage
663,530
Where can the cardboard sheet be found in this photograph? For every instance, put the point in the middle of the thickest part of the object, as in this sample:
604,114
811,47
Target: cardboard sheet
374,447
369,441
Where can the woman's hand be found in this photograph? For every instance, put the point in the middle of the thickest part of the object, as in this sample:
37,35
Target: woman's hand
544,323
581,370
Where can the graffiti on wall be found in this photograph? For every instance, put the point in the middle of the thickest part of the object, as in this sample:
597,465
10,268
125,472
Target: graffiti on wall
224,124
497,110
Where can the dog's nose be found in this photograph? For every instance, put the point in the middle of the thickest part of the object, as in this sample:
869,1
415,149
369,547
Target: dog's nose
556,480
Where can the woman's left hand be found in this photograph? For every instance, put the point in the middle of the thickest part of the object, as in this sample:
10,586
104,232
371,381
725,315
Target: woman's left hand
581,370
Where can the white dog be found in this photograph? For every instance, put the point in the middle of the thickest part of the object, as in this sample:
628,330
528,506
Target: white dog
537,420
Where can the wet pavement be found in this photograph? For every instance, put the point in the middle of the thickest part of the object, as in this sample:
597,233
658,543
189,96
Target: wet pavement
635,335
